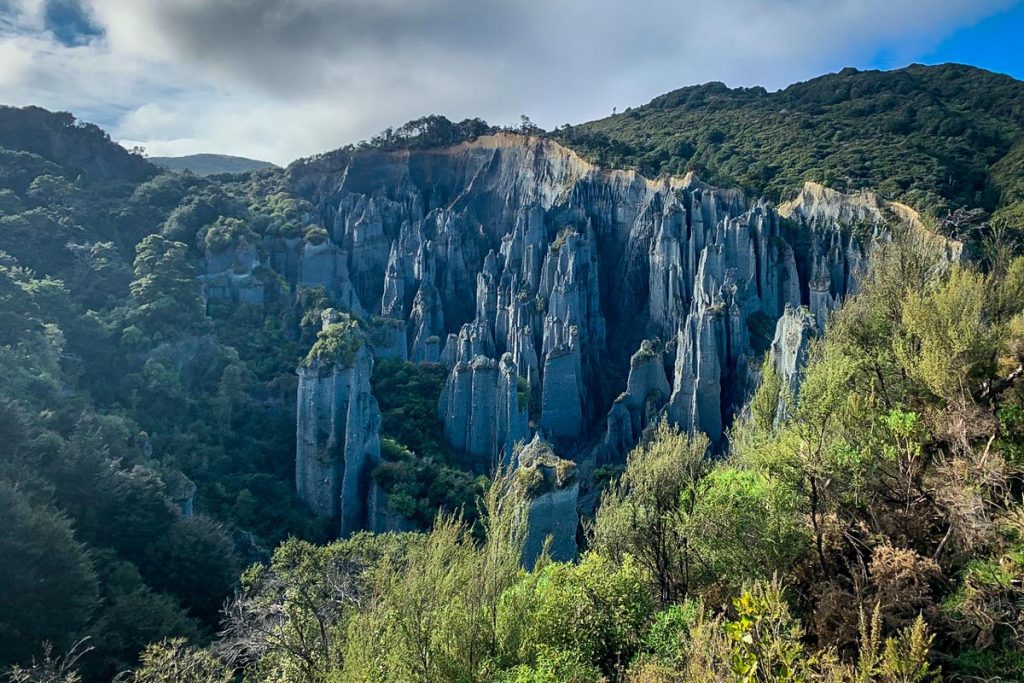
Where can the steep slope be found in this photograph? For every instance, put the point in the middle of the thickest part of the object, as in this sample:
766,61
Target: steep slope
926,134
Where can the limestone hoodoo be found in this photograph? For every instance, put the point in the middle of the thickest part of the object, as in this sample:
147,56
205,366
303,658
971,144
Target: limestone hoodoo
338,424
552,488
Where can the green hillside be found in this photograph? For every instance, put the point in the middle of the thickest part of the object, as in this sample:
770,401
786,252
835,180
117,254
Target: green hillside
210,164
937,137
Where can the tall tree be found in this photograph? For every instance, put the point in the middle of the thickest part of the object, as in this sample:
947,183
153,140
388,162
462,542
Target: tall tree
164,291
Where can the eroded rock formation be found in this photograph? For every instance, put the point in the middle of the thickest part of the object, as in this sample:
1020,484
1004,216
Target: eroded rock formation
512,244
534,276
338,428
552,487
789,353
484,409
835,233
230,274
647,391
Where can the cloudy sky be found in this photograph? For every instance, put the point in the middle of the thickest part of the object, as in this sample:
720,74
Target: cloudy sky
278,79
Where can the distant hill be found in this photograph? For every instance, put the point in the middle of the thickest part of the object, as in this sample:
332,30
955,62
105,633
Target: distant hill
210,164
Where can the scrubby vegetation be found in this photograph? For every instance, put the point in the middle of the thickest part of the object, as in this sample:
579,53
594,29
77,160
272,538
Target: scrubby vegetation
338,343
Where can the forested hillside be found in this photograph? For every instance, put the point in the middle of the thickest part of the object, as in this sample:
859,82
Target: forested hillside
939,138
209,164
121,399
860,517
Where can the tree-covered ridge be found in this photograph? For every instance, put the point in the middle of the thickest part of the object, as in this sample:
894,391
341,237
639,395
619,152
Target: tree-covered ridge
75,146
210,164
928,135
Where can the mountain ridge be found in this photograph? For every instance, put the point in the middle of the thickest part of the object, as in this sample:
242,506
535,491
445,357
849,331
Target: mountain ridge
903,133
205,164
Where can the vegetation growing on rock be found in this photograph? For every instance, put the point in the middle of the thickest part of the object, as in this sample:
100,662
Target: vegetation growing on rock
539,470
337,343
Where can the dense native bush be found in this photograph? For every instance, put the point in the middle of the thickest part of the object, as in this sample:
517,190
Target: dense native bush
929,135
872,535
420,473
114,383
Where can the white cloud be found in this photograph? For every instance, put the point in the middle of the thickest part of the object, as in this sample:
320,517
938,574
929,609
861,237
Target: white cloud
276,79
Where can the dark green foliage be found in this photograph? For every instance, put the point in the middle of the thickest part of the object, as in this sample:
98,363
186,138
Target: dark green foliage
202,206
762,331
1008,178
407,394
429,131
210,164
165,291
48,591
418,488
929,135
114,383
131,616
337,343
197,561
1011,433
74,145
421,473
224,233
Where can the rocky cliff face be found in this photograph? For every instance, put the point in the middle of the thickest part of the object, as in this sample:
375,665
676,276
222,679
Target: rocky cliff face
484,410
789,353
835,230
552,488
338,433
647,391
229,274
549,286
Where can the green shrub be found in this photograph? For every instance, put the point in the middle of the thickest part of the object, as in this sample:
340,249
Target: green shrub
336,343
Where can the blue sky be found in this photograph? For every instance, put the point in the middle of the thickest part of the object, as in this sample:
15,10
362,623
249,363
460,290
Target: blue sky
279,79
995,43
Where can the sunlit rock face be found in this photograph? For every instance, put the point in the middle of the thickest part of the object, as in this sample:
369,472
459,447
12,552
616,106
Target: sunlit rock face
789,354
536,278
833,234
